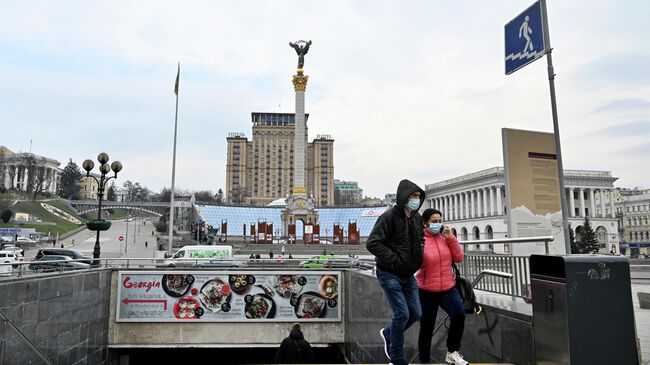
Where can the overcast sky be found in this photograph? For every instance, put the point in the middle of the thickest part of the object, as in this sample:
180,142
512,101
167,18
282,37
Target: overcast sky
408,89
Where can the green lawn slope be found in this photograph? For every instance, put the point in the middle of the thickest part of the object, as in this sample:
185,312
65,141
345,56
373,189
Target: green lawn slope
35,209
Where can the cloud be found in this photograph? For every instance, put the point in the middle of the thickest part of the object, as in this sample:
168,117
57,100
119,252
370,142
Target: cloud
623,105
636,128
407,90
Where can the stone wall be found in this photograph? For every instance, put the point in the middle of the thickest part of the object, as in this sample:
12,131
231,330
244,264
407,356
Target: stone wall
63,315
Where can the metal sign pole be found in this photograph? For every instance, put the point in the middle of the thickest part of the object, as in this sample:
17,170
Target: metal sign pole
556,129
558,148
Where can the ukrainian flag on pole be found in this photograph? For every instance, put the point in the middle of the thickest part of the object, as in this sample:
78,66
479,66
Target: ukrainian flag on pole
178,75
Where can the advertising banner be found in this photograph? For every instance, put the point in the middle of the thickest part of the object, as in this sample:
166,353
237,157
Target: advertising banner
21,217
218,296
532,190
373,212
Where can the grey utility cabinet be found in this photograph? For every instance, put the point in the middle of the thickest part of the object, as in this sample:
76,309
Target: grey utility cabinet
582,310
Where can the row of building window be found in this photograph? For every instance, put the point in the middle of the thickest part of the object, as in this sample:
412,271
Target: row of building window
637,221
639,236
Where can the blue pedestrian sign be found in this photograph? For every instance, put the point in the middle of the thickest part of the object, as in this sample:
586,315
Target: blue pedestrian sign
526,37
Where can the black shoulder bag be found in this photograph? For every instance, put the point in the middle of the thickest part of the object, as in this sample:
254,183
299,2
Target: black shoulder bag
466,292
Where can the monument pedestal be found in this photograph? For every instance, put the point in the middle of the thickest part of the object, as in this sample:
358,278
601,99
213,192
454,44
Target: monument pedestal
300,207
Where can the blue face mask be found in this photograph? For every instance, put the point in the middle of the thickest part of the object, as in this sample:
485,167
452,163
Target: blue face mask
413,204
435,228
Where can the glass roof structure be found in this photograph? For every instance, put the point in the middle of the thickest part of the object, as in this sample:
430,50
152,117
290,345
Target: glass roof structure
238,216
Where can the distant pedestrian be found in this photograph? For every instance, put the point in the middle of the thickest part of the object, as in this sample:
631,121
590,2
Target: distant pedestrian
290,257
295,349
146,244
62,245
257,256
53,243
324,252
270,254
152,232
251,256
282,250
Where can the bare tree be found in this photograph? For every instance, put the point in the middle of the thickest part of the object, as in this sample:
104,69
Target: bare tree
3,166
42,180
39,179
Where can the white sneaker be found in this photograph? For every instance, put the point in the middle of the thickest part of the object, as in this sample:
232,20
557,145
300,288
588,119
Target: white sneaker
455,358
386,343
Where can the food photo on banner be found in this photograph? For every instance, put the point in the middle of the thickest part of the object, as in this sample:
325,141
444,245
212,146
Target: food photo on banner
206,296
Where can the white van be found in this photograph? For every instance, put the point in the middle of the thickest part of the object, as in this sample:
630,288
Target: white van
199,255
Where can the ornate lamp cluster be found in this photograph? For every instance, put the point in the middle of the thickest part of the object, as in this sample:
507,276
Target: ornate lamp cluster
104,168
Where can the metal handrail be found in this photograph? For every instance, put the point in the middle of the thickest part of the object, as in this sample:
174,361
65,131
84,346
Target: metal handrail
157,262
545,239
481,275
3,339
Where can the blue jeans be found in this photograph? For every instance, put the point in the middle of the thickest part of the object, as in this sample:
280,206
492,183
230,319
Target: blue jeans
402,294
451,303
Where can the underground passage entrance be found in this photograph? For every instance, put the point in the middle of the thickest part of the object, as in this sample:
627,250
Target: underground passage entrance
243,355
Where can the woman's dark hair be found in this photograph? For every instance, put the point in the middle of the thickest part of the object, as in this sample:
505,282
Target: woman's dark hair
428,213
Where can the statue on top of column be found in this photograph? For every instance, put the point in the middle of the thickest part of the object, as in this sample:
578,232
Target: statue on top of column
301,48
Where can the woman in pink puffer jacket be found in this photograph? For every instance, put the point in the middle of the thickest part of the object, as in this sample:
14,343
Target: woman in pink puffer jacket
436,282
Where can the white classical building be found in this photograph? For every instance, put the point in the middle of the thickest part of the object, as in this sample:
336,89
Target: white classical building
634,220
474,205
18,170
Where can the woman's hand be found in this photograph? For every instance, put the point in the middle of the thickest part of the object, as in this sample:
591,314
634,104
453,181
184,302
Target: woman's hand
446,231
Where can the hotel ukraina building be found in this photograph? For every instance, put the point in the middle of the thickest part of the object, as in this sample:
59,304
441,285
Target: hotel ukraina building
474,205
261,170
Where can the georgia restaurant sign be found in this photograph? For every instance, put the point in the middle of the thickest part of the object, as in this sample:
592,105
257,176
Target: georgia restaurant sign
217,296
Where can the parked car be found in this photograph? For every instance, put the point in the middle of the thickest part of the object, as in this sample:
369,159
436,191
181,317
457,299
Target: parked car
73,254
8,257
6,239
46,239
11,247
25,240
56,262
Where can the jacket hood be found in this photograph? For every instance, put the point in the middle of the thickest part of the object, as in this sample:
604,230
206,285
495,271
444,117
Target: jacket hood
296,335
406,188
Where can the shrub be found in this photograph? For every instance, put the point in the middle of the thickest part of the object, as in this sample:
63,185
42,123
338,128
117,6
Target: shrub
6,215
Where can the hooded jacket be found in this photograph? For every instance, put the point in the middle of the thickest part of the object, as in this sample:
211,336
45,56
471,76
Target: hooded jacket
295,350
436,275
396,240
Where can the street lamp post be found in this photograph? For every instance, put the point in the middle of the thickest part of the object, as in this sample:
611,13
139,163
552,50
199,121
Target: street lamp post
104,168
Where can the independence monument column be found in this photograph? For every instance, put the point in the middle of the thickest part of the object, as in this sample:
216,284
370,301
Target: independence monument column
299,85
300,204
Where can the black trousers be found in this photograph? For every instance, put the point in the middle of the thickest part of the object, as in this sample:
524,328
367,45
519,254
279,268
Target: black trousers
452,304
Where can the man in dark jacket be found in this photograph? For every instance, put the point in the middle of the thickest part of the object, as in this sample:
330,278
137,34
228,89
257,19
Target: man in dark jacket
396,241
295,349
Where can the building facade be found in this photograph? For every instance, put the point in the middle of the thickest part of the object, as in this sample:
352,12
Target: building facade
347,193
28,171
474,205
633,212
88,187
260,171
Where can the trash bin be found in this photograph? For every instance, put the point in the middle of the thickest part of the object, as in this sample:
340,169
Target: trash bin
582,310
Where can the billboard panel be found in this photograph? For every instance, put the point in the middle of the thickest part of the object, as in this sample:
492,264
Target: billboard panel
532,190
218,296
